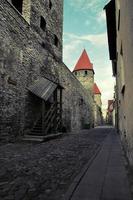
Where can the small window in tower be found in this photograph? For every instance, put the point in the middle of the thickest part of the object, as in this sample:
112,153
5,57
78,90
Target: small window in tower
18,4
43,24
86,72
56,41
75,73
50,4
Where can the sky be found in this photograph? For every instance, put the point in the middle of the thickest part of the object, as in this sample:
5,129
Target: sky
85,28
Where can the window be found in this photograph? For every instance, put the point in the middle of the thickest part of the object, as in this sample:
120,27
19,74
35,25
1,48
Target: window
50,4
119,20
43,45
75,73
121,50
122,71
43,24
86,72
123,90
18,4
56,41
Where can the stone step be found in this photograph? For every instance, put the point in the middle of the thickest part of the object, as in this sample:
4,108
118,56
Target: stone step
39,123
37,130
36,133
52,136
33,138
40,138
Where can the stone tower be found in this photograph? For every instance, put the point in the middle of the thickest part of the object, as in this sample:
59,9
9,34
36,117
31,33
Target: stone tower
97,95
84,72
97,106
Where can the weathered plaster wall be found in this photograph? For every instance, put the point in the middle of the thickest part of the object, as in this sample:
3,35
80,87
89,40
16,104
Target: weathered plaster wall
125,73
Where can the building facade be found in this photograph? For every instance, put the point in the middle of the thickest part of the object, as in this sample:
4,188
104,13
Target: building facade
110,117
32,74
120,37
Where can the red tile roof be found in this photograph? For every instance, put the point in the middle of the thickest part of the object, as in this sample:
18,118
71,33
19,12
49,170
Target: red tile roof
96,89
84,62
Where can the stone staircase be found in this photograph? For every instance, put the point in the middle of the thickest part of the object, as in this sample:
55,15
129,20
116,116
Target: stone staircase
37,130
51,121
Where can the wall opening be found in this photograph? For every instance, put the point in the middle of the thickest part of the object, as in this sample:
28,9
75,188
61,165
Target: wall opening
119,20
56,41
86,72
122,71
18,4
50,4
43,23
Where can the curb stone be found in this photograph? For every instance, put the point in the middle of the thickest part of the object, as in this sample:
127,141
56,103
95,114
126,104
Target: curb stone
79,177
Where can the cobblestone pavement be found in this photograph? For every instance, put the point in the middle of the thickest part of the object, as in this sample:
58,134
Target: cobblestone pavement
45,171
106,177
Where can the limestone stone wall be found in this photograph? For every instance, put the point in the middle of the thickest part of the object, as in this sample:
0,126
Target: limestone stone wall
97,99
98,120
97,110
86,78
77,103
124,79
28,52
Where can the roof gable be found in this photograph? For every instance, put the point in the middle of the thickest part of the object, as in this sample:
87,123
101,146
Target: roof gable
84,62
96,89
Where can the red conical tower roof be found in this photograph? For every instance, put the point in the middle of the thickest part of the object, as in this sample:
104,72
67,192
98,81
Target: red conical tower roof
96,89
84,62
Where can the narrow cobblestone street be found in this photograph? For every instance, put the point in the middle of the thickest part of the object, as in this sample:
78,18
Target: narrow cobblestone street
45,170
106,177
66,103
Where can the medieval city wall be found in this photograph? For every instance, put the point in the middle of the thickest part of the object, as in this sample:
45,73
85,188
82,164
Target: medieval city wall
26,53
87,80
77,103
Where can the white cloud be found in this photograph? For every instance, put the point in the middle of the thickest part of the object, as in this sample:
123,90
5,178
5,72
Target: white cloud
95,44
106,84
70,48
74,44
97,39
85,4
87,22
101,17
